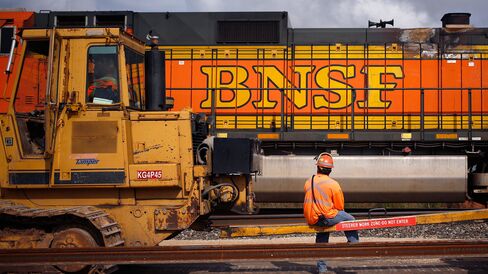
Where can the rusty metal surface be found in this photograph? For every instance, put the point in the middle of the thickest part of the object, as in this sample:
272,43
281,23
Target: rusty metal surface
222,253
178,218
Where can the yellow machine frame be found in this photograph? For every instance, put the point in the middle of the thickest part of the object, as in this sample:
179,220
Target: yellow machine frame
93,153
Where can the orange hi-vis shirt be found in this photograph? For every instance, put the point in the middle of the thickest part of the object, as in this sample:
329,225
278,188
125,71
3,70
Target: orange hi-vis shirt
329,198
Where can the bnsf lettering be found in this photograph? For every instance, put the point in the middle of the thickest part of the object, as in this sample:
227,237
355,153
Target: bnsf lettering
233,88
149,174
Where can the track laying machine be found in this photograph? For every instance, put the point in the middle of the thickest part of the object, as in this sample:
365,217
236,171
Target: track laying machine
98,160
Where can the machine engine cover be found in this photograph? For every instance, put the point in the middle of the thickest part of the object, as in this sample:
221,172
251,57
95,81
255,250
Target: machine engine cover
232,156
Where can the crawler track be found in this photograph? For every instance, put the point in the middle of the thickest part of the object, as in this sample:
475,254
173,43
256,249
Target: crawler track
226,253
19,216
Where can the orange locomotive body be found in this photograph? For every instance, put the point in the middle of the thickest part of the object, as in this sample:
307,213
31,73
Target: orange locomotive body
10,23
307,91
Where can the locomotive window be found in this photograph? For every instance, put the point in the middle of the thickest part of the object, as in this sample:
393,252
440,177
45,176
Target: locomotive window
6,35
102,85
134,63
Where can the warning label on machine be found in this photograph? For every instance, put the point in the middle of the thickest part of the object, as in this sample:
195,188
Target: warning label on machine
377,223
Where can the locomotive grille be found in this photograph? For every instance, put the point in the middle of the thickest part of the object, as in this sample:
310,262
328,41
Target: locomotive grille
248,32
29,100
71,21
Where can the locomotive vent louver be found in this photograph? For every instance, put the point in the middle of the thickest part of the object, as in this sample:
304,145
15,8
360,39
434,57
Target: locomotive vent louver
456,20
71,21
109,20
248,31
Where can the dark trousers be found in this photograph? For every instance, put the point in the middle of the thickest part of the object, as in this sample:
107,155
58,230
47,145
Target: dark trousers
323,237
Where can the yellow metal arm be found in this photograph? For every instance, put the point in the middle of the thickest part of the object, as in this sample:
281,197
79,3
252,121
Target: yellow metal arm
437,218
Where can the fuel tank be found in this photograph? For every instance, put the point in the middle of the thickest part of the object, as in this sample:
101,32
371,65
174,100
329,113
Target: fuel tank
368,179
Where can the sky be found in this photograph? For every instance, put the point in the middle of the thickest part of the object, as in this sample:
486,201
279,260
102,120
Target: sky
302,13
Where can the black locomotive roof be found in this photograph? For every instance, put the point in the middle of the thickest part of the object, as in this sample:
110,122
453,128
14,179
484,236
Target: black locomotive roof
244,28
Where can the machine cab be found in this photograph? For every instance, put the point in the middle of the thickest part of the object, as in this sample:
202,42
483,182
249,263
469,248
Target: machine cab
69,107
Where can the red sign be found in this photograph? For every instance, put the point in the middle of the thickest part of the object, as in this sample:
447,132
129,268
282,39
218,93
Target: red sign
376,223
149,174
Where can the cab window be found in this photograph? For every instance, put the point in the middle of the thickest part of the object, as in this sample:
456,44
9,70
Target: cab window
30,99
135,78
102,75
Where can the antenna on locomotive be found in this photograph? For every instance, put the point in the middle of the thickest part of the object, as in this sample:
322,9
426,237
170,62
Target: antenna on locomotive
382,24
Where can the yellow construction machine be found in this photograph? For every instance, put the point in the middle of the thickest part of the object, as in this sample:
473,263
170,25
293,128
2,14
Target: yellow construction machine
91,156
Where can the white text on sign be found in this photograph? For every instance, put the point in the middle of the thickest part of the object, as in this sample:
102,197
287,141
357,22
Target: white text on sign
377,223
149,174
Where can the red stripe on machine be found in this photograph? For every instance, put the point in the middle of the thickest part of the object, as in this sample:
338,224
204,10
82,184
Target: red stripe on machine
377,223
149,174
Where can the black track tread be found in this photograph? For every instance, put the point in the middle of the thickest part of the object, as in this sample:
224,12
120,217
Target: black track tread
107,227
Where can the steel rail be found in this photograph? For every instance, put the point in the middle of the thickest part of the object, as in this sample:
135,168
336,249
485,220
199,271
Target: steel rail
226,253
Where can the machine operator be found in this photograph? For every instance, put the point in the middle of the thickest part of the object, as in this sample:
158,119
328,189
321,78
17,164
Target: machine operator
103,87
324,201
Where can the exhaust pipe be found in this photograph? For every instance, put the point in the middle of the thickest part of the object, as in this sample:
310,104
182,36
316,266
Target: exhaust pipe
155,76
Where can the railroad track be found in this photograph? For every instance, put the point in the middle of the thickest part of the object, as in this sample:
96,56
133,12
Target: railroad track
226,253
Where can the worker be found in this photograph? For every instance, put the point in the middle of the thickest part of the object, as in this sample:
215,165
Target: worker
324,201
104,88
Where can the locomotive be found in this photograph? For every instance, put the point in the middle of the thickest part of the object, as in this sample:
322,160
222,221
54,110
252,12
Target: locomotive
404,111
